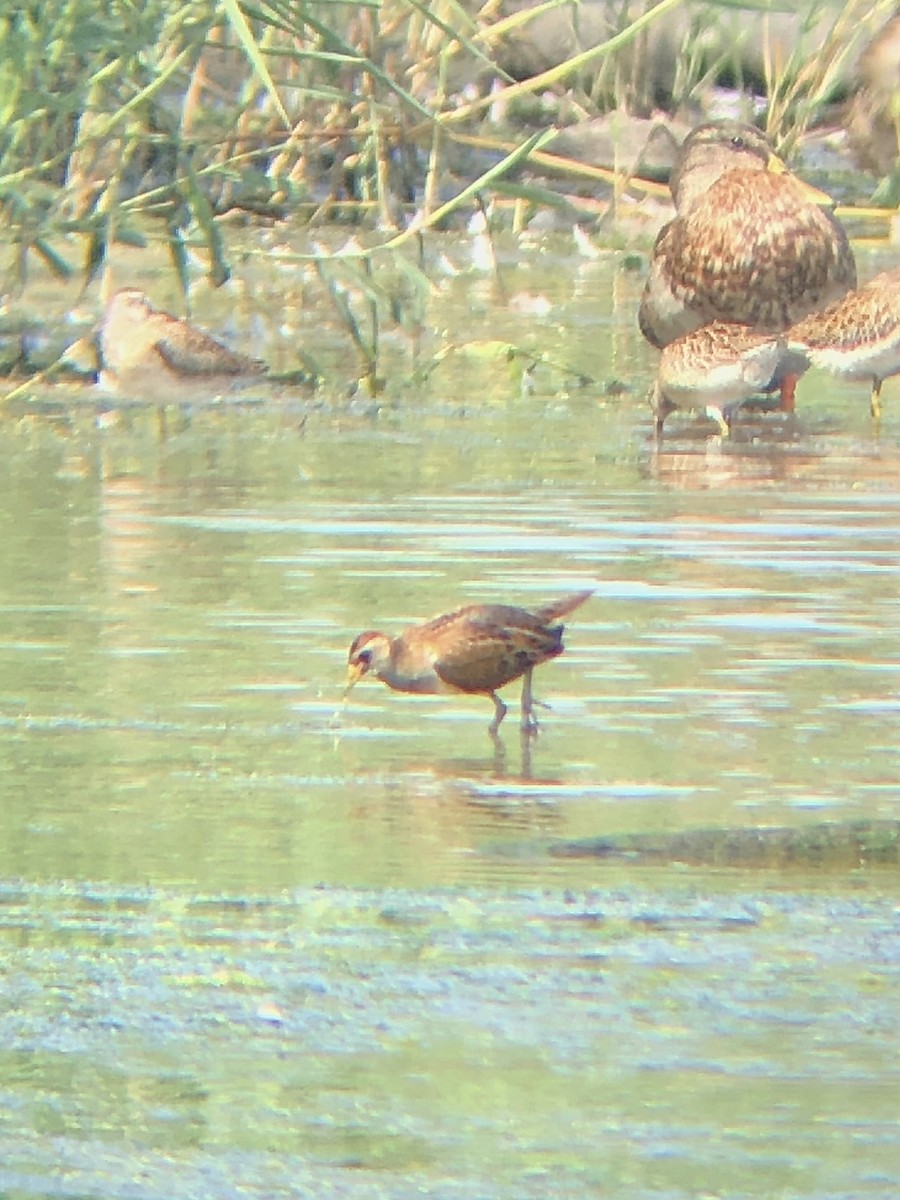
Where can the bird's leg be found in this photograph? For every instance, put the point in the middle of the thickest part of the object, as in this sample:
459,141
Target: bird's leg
788,388
499,714
875,401
661,406
728,415
721,418
529,723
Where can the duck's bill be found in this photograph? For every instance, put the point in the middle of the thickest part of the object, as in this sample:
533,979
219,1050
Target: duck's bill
815,195
778,167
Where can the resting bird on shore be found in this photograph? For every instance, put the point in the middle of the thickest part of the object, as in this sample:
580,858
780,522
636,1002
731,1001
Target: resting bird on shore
749,242
152,355
716,367
857,337
474,650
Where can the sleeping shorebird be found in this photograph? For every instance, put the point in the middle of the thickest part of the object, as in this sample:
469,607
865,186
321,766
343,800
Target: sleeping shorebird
750,243
474,650
152,355
716,368
857,337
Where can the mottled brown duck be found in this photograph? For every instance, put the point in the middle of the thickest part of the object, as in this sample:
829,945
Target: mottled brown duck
749,242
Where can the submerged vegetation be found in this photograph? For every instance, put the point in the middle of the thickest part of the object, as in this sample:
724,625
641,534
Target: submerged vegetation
166,121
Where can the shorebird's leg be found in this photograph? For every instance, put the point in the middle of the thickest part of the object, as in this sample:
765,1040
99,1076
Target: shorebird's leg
788,390
529,723
875,401
721,418
661,406
499,714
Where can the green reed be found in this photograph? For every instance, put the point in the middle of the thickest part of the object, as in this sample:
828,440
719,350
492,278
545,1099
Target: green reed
156,121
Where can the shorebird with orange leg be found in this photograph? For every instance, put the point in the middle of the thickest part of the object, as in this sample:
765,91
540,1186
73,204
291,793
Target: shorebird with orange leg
857,337
475,650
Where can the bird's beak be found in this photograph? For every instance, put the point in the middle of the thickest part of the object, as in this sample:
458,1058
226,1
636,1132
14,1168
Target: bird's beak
778,167
815,195
355,672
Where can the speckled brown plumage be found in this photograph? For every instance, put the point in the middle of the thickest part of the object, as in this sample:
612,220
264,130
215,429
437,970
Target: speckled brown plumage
476,649
857,336
154,355
747,243
715,367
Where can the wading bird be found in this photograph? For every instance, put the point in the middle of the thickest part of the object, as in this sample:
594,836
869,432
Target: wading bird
474,650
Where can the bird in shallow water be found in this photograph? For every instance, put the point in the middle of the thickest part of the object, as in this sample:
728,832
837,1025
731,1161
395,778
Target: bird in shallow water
474,650
716,367
857,337
749,243
153,355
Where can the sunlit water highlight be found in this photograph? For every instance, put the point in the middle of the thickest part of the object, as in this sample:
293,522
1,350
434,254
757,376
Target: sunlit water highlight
260,940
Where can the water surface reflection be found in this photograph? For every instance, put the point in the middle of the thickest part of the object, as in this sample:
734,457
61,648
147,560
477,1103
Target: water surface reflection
213,866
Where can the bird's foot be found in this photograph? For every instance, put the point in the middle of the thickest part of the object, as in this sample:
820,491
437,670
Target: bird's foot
529,720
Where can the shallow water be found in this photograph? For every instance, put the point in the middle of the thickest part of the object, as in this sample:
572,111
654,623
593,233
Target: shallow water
258,942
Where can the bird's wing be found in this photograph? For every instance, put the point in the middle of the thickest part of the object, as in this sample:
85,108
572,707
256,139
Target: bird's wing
486,651
189,350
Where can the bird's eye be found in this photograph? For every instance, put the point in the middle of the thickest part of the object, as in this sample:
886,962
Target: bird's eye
738,142
364,657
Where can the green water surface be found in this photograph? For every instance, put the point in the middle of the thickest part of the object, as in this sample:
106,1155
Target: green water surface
260,943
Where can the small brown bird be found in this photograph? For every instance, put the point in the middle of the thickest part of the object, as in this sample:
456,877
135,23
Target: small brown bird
154,356
858,336
474,650
717,368
750,243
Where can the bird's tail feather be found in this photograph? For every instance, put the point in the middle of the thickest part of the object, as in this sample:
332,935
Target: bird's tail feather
566,604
